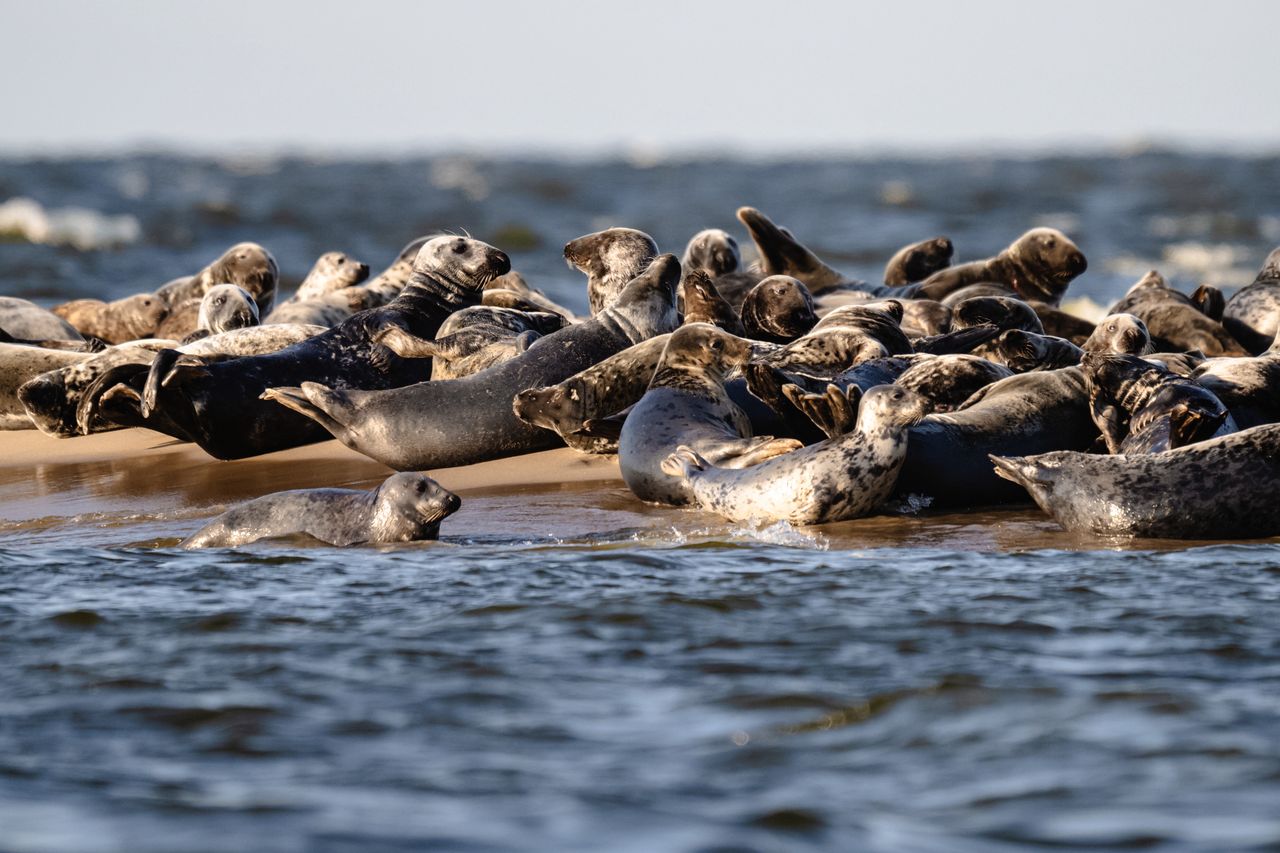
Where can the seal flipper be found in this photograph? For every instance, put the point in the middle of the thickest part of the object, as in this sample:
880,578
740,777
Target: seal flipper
761,449
684,463
835,411
958,342
784,255
1210,301
406,344
527,339
161,367
314,400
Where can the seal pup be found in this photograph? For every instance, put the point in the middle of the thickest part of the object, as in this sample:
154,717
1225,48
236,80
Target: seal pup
407,507
686,404
461,421
610,259
713,252
246,264
1174,322
22,319
1209,490
1140,407
918,261
834,480
701,302
473,339
1252,314
220,403
1039,265
1119,333
778,309
116,322
1022,351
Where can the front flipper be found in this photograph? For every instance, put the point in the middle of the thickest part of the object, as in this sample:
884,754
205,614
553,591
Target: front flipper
835,412
761,449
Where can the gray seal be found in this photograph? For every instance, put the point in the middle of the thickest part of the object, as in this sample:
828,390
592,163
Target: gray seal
779,309
224,308
461,421
328,295
1119,333
1060,324
1174,321
331,271
947,381
1246,385
246,264
219,404
713,252
610,259
701,302
25,320
918,261
405,508
686,404
474,339
1023,352
387,285
1252,314
1209,490
834,480
117,322
1039,265
19,364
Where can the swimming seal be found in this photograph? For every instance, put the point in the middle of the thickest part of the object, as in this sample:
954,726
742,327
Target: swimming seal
461,421
1202,491
116,322
1252,314
686,404
405,508
834,480
610,259
219,403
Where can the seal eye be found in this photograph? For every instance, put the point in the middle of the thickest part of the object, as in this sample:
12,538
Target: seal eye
420,487
341,261
1049,243
459,247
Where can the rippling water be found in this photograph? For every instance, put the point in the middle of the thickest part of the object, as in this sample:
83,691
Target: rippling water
569,670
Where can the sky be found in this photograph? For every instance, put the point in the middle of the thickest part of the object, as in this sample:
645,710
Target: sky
371,76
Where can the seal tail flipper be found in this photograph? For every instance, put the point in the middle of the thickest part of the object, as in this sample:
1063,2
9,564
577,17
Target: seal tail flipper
313,400
405,344
684,463
834,411
958,342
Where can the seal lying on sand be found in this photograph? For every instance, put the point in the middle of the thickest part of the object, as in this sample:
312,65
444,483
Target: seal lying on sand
1024,351
834,480
331,271
686,404
461,421
1173,320
19,364
1119,333
219,406
779,309
1208,490
246,264
405,508
1252,314
701,302
26,320
116,322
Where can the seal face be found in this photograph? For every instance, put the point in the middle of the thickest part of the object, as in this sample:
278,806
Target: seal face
407,507
331,271
834,480
686,404
701,302
713,252
779,309
610,259
1119,333
226,307
246,264
918,261
19,364
1202,491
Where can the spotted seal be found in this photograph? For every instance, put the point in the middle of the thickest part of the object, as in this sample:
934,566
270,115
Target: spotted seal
219,404
610,259
1252,314
461,421
686,404
701,302
1208,490
1039,265
19,364
1247,386
778,309
834,480
405,508
246,264
1023,351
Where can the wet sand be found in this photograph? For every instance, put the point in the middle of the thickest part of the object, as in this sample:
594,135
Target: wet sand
137,487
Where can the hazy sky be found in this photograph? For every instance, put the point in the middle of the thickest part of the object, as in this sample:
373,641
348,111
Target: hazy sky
372,75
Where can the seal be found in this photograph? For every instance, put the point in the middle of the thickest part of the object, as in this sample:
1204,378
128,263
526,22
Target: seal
512,291
1023,352
686,404
474,339
460,421
117,322
223,308
405,508
25,320
843,338
1252,314
782,254
331,271
779,309
246,264
1202,491
1039,265
1141,407
1245,385
947,381
918,261
19,364
328,294
701,302
610,259
219,403
1119,333
1173,320
712,251
834,480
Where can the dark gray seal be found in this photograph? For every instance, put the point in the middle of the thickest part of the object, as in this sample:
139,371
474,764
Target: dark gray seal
116,322
834,480
610,259
1246,385
1140,407
405,508
25,320
779,309
713,252
1023,352
387,285
1216,489
918,261
686,404
1252,314
701,302
782,254
457,422
1061,324
219,405
1173,320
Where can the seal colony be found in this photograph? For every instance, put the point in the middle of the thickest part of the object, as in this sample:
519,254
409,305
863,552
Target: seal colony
779,390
